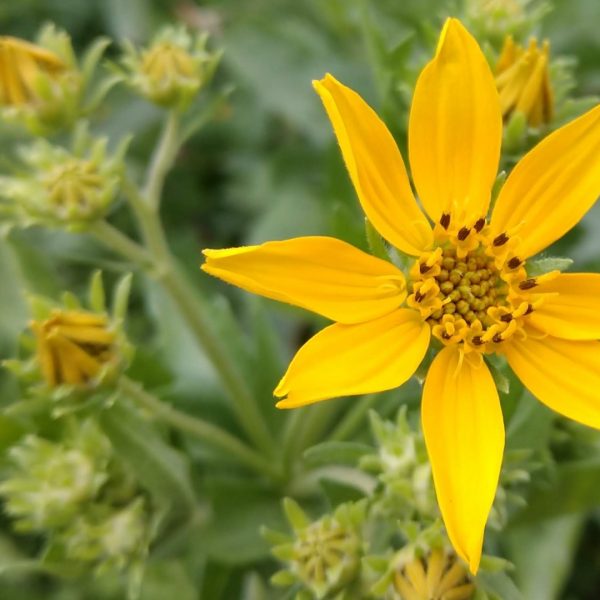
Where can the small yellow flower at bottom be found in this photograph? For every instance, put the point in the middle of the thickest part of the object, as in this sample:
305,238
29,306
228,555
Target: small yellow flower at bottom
73,346
439,576
523,81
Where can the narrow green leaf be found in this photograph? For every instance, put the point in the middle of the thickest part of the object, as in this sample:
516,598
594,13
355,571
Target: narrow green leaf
159,468
347,453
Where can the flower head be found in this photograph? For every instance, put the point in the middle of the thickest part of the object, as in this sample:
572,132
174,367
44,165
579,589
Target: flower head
42,85
73,347
523,80
22,65
172,70
439,576
61,188
50,482
468,287
323,555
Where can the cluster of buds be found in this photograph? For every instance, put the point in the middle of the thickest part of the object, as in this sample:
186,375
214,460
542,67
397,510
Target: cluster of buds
65,490
402,467
172,69
324,555
60,188
43,86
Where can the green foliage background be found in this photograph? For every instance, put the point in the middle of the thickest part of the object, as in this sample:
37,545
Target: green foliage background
268,168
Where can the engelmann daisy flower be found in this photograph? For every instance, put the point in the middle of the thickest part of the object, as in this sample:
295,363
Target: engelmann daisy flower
468,286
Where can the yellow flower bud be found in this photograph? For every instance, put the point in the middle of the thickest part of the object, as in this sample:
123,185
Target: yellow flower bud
523,81
73,347
22,66
439,576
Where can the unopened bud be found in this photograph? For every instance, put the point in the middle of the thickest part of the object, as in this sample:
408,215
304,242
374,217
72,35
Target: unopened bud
438,576
61,188
73,347
523,81
173,69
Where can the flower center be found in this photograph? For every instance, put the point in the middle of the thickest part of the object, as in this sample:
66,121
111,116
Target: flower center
471,288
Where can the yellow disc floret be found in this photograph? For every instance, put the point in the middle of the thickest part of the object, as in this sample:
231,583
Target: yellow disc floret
471,288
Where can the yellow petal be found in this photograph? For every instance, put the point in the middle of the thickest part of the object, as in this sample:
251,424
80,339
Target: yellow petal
552,186
572,310
321,274
346,360
563,374
375,167
464,433
455,127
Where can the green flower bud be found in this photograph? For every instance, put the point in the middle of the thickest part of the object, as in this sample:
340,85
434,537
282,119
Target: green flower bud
50,482
323,555
403,468
63,189
173,69
109,538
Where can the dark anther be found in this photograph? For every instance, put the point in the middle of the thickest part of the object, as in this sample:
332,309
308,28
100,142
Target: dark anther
446,336
477,341
445,220
463,233
529,310
528,284
507,318
497,339
479,225
419,296
423,268
500,240
514,262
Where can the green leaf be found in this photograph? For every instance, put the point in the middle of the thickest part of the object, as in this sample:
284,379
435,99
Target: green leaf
574,488
346,453
545,265
542,553
96,294
158,467
500,585
10,431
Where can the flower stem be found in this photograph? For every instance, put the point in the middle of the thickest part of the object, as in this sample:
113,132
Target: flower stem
162,159
112,238
203,430
163,267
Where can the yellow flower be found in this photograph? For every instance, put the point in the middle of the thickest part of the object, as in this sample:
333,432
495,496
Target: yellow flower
21,66
523,81
439,577
73,346
468,286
